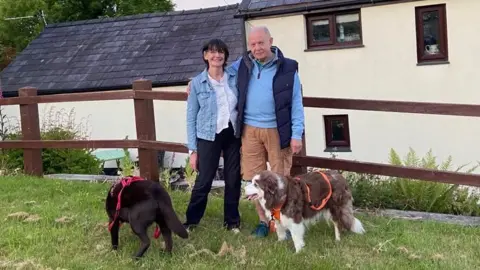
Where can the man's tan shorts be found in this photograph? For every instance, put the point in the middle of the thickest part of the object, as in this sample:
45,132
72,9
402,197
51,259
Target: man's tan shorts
260,145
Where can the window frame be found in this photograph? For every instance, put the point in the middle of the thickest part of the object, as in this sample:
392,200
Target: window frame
329,142
332,43
443,32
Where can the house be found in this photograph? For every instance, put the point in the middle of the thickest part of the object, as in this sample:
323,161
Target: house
400,50
109,54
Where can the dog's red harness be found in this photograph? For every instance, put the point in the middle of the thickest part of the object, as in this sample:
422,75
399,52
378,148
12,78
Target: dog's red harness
126,181
276,210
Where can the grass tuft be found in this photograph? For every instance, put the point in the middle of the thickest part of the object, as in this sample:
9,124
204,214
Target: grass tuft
67,229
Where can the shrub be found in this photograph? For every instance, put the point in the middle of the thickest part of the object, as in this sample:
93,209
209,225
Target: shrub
56,126
417,195
190,174
127,166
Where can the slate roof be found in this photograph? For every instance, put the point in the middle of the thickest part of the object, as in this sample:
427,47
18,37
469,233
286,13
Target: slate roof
262,4
105,54
276,7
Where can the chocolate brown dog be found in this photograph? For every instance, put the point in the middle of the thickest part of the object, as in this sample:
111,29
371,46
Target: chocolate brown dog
142,203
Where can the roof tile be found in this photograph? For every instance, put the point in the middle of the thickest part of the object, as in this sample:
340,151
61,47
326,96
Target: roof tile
113,52
254,5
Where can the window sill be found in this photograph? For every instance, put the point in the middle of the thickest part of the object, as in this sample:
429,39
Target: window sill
433,63
329,48
338,149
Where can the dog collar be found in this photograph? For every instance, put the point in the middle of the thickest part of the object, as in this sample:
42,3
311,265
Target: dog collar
276,210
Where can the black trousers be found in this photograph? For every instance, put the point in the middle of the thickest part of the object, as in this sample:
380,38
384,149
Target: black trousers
208,153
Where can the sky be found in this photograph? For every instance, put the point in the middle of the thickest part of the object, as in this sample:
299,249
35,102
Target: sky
194,4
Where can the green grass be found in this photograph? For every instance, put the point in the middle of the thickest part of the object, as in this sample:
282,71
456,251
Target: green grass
84,242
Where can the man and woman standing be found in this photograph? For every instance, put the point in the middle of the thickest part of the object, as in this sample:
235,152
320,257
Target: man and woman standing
251,110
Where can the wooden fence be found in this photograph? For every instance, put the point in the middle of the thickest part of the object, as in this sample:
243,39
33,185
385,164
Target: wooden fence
147,145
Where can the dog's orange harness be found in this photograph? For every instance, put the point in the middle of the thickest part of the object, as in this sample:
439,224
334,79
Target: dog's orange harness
126,181
325,200
276,211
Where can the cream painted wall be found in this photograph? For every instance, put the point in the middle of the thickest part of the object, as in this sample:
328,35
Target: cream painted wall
111,120
386,69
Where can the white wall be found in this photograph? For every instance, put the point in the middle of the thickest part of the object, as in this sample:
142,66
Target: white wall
386,69
113,120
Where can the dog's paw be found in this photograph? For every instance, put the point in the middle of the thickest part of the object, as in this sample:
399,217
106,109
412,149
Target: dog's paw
115,247
299,247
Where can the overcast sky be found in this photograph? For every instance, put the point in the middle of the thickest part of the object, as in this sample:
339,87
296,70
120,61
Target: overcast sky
194,4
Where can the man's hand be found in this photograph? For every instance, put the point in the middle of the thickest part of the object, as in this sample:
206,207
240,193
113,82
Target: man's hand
296,146
193,161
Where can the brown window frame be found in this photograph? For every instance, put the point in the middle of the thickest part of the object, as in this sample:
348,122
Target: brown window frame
330,143
443,38
331,17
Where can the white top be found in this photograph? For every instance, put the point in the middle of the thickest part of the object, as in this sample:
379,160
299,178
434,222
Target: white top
226,103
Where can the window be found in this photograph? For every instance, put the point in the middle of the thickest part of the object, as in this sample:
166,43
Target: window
334,30
337,133
431,22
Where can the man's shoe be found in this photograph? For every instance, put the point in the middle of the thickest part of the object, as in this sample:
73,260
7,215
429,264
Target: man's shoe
261,230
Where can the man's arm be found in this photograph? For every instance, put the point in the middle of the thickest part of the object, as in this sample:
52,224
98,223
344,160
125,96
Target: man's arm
235,65
192,111
298,115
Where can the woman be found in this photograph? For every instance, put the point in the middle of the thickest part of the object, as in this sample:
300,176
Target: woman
211,123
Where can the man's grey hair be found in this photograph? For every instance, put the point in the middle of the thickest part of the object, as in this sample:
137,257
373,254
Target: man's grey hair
260,28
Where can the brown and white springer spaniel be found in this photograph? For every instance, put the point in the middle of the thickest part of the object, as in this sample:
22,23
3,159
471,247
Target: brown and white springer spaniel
294,203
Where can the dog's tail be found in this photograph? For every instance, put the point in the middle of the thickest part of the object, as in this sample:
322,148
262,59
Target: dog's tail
165,207
349,221
357,226
171,218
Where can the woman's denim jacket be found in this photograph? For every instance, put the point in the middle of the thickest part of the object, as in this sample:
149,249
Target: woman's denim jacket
202,107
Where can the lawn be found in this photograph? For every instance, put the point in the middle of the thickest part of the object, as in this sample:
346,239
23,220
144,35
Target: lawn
66,229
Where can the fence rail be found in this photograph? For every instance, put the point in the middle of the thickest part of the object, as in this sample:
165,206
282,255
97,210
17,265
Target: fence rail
146,143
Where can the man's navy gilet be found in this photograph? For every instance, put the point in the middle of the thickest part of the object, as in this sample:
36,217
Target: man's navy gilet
282,94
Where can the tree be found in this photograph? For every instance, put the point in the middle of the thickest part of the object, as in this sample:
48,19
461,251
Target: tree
131,7
16,34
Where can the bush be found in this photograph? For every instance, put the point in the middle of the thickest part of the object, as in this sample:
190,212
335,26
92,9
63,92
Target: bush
56,126
416,195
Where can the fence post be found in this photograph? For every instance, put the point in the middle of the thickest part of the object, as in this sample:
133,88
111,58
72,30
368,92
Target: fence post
32,158
299,169
296,170
145,124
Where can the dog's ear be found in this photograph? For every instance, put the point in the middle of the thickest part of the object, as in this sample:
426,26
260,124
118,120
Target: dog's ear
270,183
271,188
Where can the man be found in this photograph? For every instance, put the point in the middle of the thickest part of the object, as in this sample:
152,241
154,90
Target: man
270,111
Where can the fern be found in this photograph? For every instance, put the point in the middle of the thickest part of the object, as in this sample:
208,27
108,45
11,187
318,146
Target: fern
425,195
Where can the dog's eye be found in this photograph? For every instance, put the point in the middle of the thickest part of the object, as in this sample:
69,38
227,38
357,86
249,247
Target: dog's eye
255,185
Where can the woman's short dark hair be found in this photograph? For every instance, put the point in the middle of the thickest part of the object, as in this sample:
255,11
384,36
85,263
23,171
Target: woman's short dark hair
216,45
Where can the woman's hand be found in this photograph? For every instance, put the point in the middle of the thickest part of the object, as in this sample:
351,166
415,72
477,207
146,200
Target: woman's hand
193,161
188,87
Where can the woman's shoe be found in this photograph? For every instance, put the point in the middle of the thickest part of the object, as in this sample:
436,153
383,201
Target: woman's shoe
234,228
189,227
